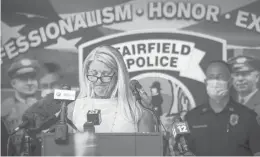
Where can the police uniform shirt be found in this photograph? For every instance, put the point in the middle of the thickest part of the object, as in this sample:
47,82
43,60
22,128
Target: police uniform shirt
11,112
232,132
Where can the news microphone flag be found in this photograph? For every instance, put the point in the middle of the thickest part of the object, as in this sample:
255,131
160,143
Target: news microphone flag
94,116
180,128
61,94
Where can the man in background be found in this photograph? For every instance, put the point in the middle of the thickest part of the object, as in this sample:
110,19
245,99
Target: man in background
51,78
157,98
221,126
23,75
245,75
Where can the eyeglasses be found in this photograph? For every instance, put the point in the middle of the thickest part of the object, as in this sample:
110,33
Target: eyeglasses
104,79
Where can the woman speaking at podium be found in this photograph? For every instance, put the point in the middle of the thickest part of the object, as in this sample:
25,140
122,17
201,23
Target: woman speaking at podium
104,85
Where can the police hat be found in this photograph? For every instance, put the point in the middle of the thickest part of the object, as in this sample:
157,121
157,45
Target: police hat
244,63
156,84
23,66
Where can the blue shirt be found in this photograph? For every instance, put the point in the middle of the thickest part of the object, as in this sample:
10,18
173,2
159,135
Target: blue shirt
232,132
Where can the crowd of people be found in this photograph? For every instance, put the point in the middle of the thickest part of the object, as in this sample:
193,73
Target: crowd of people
226,124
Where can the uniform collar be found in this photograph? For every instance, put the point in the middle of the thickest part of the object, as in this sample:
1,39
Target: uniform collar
246,98
18,98
229,107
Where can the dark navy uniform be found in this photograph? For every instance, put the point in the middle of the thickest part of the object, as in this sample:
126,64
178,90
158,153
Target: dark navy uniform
243,66
232,132
13,107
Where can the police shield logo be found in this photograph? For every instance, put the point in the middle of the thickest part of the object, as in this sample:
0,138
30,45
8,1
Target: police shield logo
170,65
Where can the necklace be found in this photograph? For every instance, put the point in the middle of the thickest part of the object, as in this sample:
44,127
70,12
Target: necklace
114,120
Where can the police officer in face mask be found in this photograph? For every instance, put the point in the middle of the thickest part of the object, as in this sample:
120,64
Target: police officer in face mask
221,126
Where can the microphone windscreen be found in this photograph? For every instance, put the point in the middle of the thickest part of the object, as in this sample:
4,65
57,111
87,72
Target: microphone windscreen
45,107
138,85
133,84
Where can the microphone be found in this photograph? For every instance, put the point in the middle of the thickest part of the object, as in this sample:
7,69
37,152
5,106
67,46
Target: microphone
41,115
38,113
179,130
25,124
139,92
94,116
61,129
46,107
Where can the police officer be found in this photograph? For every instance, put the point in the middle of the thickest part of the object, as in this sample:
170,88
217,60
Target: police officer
51,79
23,75
245,74
222,126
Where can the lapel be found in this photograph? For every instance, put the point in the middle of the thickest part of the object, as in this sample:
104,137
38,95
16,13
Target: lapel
254,100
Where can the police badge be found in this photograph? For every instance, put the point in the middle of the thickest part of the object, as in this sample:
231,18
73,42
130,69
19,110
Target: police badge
233,119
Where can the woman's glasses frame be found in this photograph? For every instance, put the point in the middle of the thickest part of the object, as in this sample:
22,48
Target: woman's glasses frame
103,79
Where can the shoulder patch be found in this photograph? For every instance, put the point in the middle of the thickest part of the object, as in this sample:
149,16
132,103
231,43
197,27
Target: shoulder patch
7,106
9,101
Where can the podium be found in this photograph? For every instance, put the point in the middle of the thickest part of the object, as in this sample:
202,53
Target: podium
109,144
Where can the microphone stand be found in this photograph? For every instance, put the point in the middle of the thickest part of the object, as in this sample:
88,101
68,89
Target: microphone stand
26,145
136,93
8,145
61,129
157,119
158,122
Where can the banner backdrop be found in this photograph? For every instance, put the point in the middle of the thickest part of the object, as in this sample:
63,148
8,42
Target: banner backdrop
167,43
